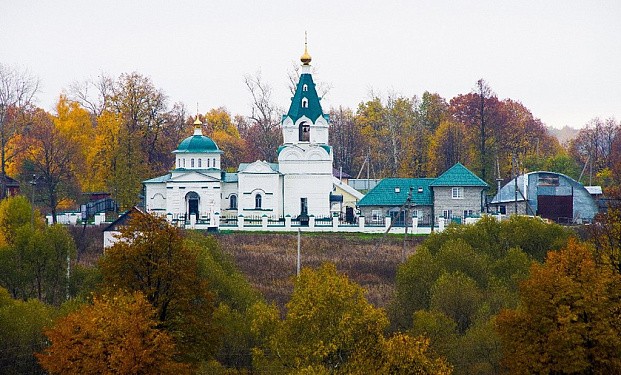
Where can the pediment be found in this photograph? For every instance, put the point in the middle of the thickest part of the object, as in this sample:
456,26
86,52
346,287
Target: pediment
258,167
192,176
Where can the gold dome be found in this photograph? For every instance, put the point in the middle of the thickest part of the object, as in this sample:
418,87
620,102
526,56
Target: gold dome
306,58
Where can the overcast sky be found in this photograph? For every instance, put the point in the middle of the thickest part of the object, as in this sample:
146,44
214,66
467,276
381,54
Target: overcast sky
561,59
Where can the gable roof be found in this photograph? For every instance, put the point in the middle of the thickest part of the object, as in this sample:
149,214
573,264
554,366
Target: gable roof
123,219
458,175
243,166
394,192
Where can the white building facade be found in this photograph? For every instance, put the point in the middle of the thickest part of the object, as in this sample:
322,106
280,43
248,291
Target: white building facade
299,186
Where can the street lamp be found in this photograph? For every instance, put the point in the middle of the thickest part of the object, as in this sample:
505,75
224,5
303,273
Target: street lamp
33,183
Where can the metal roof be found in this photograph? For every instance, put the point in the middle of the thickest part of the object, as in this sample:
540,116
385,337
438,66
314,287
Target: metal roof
458,175
394,192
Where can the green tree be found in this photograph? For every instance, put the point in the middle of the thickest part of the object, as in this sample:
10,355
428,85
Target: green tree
21,333
413,287
233,297
152,258
568,318
458,297
439,328
116,334
36,260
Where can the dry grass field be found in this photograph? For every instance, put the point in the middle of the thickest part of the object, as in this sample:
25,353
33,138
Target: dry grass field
269,260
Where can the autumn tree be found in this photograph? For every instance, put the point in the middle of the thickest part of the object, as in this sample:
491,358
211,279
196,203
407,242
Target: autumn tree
593,146
568,318
346,140
387,128
151,258
402,354
17,91
221,129
452,287
447,147
50,157
263,135
328,321
135,131
75,125
116,334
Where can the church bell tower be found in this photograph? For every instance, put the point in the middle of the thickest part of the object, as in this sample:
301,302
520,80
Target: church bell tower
305,158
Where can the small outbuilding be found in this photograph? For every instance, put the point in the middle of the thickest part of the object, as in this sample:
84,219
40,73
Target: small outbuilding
551,195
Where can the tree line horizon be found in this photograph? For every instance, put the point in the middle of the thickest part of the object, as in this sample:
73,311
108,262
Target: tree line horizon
112,133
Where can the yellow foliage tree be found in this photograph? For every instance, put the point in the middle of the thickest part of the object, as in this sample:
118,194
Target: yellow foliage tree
115,335
568,320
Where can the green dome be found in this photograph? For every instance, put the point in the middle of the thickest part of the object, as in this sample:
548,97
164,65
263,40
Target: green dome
196,144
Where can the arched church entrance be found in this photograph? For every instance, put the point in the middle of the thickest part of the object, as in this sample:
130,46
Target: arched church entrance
192,200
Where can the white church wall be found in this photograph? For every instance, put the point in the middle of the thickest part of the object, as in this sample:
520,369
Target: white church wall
266,184
228,189
155,197
316,188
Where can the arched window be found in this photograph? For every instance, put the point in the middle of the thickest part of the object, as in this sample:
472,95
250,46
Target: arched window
305,87
183,162
214,162
207,162
192,163
304,103
178,162
233,201
199,163
304,131
257,201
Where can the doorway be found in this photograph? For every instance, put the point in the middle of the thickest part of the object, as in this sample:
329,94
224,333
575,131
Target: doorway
193,200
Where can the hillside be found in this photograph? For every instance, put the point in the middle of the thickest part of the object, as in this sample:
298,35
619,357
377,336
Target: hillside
269,260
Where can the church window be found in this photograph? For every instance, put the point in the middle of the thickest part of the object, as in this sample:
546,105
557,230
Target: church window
199,163
305,87
214,162
304,103
257,201
183,162
207,162
192,162
233,202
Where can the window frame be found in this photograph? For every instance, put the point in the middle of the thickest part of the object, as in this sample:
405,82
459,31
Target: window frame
457,192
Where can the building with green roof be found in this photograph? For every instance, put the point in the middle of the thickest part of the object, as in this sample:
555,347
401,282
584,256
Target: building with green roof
454,195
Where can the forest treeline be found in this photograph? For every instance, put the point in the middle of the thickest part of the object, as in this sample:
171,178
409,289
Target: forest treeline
518,296
112,133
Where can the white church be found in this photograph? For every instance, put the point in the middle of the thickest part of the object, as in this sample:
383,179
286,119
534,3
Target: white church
300,185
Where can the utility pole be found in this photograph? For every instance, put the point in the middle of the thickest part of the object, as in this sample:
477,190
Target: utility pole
299,243
34,184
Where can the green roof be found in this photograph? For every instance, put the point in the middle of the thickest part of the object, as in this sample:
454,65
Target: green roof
394,192
458,175
313,110
197,144
159,179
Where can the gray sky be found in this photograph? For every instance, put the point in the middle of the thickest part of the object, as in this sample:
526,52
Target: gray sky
561,59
